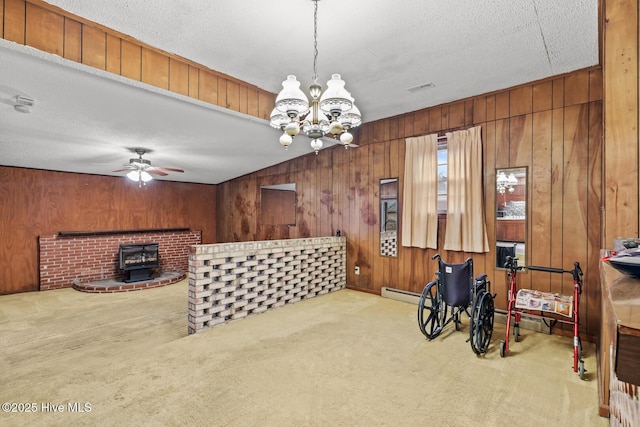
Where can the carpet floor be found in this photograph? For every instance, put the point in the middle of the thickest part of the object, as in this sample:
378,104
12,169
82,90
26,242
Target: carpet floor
343,359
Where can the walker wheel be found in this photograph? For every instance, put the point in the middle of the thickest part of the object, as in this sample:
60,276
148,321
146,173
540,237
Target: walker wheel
516,333
581,370
503,348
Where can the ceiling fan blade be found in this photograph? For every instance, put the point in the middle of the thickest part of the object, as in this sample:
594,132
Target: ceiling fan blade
155,171
124,169
165,169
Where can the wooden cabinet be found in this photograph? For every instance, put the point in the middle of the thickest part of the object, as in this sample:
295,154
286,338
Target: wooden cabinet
619,347
510,230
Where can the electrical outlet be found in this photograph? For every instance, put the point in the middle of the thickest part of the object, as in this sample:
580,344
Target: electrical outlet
357,270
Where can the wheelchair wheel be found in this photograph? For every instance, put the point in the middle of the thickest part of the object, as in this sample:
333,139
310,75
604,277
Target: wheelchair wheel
481,328
431,311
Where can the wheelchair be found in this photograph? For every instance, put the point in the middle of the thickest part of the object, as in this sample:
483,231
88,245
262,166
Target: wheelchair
454,292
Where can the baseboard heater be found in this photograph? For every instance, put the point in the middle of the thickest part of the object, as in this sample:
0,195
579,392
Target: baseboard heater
526,322
400,295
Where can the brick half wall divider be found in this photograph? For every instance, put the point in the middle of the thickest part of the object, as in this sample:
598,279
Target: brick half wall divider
89,258
229,281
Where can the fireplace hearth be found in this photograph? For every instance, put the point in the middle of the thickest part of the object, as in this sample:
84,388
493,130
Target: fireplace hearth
137,261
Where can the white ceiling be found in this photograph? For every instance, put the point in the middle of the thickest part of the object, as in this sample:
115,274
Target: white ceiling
85,120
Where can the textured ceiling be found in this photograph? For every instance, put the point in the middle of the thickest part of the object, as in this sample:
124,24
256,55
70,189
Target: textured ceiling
85,120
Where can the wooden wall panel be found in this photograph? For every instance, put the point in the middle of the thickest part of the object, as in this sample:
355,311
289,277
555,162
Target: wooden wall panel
594,212
521,101
72,40
480,110
37,202
540,197
456,115
94,47
542,96
14,20
178,77
576,88
44,30
131,62
558,93
557,199
233,96
1,18
266,101
222,92
194,82
114,54
243,99
208,88
502,105
155,68
621,108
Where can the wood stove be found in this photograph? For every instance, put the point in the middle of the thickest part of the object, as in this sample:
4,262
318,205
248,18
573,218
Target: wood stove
137,261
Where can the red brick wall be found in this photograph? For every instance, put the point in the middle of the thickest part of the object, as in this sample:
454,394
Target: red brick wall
65,259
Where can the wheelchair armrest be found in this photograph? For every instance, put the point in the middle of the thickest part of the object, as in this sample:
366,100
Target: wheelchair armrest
481,277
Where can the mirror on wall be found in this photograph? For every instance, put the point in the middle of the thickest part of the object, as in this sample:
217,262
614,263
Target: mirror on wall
278,204
511,214
389,217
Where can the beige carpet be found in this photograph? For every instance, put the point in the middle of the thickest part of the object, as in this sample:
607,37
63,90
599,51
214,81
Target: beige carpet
343,359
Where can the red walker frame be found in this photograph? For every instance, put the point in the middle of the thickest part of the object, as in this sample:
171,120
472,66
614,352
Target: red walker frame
512,267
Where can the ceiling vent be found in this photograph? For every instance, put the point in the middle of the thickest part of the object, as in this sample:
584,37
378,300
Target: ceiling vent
23,100
421,87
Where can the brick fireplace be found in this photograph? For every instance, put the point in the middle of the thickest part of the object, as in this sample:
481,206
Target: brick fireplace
77,258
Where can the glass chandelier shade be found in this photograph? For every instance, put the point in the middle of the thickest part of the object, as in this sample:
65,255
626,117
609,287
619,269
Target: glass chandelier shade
504,183
331,113
140,176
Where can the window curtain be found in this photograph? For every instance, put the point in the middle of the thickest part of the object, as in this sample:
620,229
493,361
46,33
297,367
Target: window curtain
466,230
420,195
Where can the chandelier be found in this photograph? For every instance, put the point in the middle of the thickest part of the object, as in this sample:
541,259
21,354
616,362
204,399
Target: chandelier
504,183
330,114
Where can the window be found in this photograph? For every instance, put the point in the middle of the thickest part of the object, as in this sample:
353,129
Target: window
442,177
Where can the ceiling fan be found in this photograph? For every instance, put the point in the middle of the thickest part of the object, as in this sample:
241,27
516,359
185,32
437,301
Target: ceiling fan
141,170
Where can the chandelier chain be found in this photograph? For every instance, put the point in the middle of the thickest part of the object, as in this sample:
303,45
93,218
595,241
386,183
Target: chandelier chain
315,41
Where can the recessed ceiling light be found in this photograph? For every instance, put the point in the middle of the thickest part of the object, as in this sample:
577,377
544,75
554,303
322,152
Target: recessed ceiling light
423,86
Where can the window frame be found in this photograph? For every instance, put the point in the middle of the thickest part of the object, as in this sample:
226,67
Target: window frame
442,195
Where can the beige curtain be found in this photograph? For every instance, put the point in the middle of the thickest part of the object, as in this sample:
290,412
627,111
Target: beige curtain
420,196
466,229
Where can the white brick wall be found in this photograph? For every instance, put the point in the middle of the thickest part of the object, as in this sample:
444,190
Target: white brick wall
229,281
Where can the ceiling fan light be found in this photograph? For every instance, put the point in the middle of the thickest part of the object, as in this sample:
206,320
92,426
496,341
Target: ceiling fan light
134,175
145,176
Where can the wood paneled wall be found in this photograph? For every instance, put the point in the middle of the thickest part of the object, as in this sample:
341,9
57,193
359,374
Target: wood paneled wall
553,127
37,24
621,122
37,202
